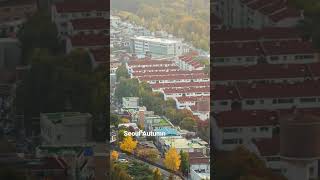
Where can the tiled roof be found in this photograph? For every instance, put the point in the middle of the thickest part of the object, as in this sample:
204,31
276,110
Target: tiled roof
268,146
246,118
88,40
260,71
90,24
174,77
70,7
288,47
180,85
150,62
236,49
180,72
155,69
186,90
191,98
268,33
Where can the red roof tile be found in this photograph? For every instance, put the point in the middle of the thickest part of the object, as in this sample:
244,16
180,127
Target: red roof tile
246,118
70,7
191,98
89,40
260,71
155,69
180,85
186,90
180,72
150,62
90,24
268,146
288,47
236,49
174,77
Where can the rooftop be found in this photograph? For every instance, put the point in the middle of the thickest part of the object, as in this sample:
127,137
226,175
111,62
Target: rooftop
83,6
90,24
89,40
156,40
246,118
167,131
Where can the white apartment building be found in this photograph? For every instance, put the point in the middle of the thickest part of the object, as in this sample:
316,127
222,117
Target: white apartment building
234,128
268,97
86,41
63,12
157,47
65,128
130,102
13,15
97,25
257,13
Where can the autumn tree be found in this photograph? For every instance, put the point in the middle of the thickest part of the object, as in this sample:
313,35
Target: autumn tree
148,153
128,144
114,155
124,120
157,174
184,166
172,159
188,123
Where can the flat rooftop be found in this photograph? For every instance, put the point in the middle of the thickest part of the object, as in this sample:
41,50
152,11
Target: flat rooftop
157,40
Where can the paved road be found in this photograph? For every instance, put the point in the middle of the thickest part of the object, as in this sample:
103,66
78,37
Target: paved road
164,172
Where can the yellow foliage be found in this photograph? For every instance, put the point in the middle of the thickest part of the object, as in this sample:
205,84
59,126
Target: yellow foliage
114,155
124,120
172,159
128,144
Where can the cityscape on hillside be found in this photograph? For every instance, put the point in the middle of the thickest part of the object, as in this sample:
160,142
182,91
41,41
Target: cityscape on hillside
265,89
53,89
159,82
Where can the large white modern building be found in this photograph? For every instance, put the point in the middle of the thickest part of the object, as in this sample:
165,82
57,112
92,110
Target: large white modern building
157,47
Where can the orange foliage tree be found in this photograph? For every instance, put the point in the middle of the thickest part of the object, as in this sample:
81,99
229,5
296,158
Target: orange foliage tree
128,144
172,159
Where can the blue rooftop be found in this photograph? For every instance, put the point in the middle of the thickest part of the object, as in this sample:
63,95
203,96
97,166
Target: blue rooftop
167,131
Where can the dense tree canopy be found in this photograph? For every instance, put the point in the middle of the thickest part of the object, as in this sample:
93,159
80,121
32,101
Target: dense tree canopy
188,21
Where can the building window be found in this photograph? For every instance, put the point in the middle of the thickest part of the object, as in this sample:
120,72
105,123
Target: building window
224,103
264,129
307,100
274,58
250,102
230,130
285,101
230,141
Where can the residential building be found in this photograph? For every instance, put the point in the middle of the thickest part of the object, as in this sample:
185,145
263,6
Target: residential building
65,128
257,13
88,26
199,166
130,103
157,47
266,96
86,41
13,14
63,12
234,128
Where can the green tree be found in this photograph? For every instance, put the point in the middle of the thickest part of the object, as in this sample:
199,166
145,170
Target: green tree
184,166
188,123
122,72
39,32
